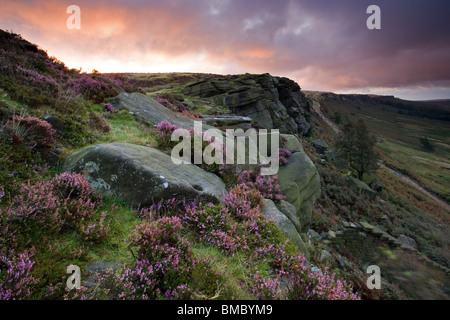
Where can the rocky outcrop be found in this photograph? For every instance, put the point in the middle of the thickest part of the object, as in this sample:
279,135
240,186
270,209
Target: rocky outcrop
142,175
271,212
300,183
271,102
206,88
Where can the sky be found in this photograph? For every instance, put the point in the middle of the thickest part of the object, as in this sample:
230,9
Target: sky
324,45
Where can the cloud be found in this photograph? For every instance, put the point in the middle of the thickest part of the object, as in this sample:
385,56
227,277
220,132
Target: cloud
323,44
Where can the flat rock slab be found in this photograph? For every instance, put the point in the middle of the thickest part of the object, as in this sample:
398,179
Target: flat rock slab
150,111
143,175
229,122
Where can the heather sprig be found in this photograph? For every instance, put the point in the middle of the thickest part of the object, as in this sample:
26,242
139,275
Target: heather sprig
268,186
66,202
16,281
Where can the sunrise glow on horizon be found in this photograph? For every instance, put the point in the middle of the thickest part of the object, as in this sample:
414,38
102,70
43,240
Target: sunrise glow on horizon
323,45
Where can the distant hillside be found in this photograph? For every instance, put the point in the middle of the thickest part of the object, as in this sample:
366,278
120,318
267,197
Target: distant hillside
400,124
433,109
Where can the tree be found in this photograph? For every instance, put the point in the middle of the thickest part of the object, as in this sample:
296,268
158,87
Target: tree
426,144
358,147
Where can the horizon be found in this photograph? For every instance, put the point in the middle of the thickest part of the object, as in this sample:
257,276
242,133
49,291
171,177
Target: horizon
323,46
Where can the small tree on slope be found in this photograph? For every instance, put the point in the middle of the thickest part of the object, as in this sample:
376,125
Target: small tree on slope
357,147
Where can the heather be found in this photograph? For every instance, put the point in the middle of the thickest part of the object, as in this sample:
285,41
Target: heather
164,244
166,266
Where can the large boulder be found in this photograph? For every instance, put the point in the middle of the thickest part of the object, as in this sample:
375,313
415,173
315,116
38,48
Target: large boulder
290,212
291,142
361,188
320,145
271,212
300,183
143,175
149,110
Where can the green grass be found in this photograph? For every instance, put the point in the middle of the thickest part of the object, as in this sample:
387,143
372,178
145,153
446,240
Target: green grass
233,268
125,128
429,169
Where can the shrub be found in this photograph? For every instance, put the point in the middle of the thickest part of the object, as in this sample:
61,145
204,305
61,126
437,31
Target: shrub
16,281
426,144
109,107
32,132
165,255
98,123
267,185
65,202
96,231
302,282
170,101
284,154
266,288
164,132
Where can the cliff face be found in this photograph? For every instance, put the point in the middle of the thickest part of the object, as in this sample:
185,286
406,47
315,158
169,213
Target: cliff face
271,102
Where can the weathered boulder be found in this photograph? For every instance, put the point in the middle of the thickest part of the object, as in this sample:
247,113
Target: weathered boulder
291,142
303,126
271,212
407,241
326,257
291,213
142,175
56,122
361,188
260,112
313,236
149,110
300,183
331,155
320,145
229,122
